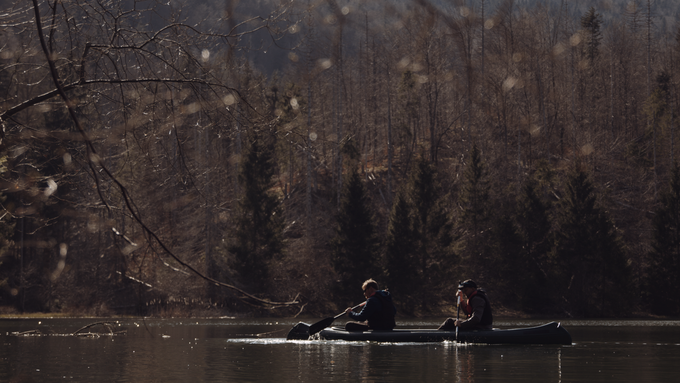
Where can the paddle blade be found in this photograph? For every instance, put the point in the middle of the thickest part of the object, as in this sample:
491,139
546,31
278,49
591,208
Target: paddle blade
299,332
320,325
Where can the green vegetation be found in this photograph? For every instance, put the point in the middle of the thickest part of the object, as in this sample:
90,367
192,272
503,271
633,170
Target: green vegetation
258,226
664,274
589,263
419,253
529,276
354,249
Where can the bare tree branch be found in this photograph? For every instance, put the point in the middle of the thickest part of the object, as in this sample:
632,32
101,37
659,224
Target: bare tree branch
94,160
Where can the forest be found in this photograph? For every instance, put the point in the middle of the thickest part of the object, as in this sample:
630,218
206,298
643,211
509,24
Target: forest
214,158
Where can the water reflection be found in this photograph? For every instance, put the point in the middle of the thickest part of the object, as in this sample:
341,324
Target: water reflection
239,350
446,361
559,365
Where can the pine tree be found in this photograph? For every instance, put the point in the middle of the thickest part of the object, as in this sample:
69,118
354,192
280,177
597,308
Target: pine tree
419,254
664,272
355,246
533,230
401,245
474,222
432,223
257,236
590,270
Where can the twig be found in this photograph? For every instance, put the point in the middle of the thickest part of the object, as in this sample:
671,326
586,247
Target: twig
269,332
300,312
107,325
95,160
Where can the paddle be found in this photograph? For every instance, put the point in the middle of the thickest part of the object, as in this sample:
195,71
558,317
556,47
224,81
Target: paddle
457,316
322,324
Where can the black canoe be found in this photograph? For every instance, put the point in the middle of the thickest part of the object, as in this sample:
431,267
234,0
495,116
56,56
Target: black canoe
549,333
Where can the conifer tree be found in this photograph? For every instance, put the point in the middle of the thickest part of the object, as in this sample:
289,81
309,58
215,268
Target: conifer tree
419,253
474,222
401,266
664,272
505,263
257,236
590,269
433,226
533,230
355,245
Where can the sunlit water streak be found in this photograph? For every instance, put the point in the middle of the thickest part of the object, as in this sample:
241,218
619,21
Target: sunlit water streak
228,349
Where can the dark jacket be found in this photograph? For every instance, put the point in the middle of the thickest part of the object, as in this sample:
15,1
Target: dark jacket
481,318
379,311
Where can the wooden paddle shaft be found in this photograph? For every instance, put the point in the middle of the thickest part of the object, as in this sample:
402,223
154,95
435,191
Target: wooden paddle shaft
457,316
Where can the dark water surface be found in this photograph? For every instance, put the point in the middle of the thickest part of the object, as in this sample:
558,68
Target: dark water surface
236,350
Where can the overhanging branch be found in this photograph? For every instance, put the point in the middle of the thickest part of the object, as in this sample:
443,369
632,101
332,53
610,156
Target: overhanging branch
94,160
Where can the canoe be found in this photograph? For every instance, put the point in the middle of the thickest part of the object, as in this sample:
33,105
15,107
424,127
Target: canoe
549,333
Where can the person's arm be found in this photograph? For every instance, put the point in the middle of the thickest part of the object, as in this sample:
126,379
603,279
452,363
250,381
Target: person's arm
477,313
351,309
372,306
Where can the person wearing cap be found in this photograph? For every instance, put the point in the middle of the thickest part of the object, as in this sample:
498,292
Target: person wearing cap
476,307
377,314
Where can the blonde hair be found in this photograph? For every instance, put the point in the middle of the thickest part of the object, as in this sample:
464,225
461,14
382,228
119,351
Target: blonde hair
369,283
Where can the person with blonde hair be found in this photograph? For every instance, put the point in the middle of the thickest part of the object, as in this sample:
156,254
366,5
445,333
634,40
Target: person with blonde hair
378,312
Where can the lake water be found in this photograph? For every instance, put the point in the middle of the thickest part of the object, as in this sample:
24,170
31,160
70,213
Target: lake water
236,350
